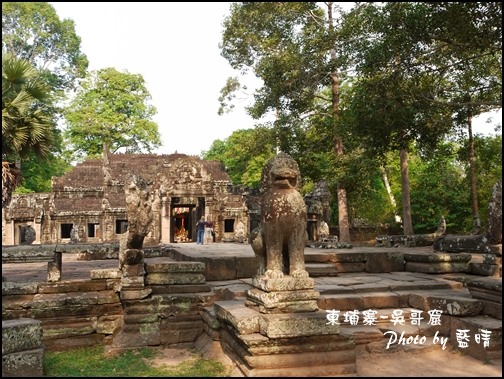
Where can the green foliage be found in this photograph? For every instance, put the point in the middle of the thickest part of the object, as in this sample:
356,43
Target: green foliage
488,167
33,31
26,128
111,107
90,362
244,153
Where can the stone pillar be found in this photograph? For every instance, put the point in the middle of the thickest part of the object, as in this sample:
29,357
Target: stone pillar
131,264
38,233
209,203
165,220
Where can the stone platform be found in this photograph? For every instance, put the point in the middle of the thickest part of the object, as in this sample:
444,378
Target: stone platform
357,279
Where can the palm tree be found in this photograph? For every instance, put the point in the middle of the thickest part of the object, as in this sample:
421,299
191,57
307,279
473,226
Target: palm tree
25,126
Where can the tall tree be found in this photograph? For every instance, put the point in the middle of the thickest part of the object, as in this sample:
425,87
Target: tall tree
437,64
111,108
26,128
34,32
291,47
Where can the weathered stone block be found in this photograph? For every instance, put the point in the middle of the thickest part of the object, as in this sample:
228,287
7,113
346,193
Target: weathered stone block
485,294
139,318
17,301
380,300
75,342
124,339
282,284
306,359
109,324
19,288
492,309
385,262
350,267
110,273
270,299
174,278
48,300
259,345
175,267
68,327
437,267
134,294
246,267
453,243
21,334
243,319
436,257
131,257
340,302
474,326
179,288
483,269
448,303
295,325
219,268
321,269
142,327
285,306
107,297
348,257
136,270
26,363
82,298
363,334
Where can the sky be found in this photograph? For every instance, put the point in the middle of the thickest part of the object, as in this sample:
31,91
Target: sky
174,46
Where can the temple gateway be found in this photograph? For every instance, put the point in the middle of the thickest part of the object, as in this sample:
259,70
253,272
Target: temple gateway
88,203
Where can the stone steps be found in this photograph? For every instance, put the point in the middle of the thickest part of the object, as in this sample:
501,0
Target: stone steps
321,269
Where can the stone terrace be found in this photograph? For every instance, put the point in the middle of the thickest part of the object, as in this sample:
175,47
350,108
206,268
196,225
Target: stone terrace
361,278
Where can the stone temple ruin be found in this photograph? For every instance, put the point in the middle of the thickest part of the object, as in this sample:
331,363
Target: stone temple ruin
87,204
274,307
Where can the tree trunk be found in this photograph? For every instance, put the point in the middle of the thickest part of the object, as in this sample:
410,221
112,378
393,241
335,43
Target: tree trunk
474,195
389,191
406,203
343,223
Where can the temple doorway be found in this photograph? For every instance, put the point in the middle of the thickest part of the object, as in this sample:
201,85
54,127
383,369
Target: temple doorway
182,224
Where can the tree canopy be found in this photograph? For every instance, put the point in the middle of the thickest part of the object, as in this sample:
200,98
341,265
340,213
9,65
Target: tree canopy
33,31
26,126
111,107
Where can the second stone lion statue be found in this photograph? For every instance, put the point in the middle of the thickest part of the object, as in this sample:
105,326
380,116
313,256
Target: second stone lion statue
279,241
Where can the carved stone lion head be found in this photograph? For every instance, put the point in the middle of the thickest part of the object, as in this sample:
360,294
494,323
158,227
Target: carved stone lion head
281,171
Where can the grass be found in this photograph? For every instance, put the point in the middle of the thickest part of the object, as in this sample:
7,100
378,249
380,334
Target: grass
91,362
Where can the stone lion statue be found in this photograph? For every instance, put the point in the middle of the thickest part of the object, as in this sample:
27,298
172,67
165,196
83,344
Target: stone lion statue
279,241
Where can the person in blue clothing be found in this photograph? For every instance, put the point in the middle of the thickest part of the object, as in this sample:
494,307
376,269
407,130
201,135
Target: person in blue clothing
200,231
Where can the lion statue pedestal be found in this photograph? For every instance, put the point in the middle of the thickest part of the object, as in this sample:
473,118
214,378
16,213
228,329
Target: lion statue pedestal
280,331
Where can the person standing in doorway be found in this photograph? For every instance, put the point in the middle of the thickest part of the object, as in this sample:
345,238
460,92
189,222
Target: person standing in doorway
209,231
200,230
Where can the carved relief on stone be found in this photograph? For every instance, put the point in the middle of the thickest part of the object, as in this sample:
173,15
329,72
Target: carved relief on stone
46,235
29,235
324,230
188,200
139,208
240,231
74,235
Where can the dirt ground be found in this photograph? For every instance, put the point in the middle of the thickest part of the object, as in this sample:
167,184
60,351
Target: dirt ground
438,363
